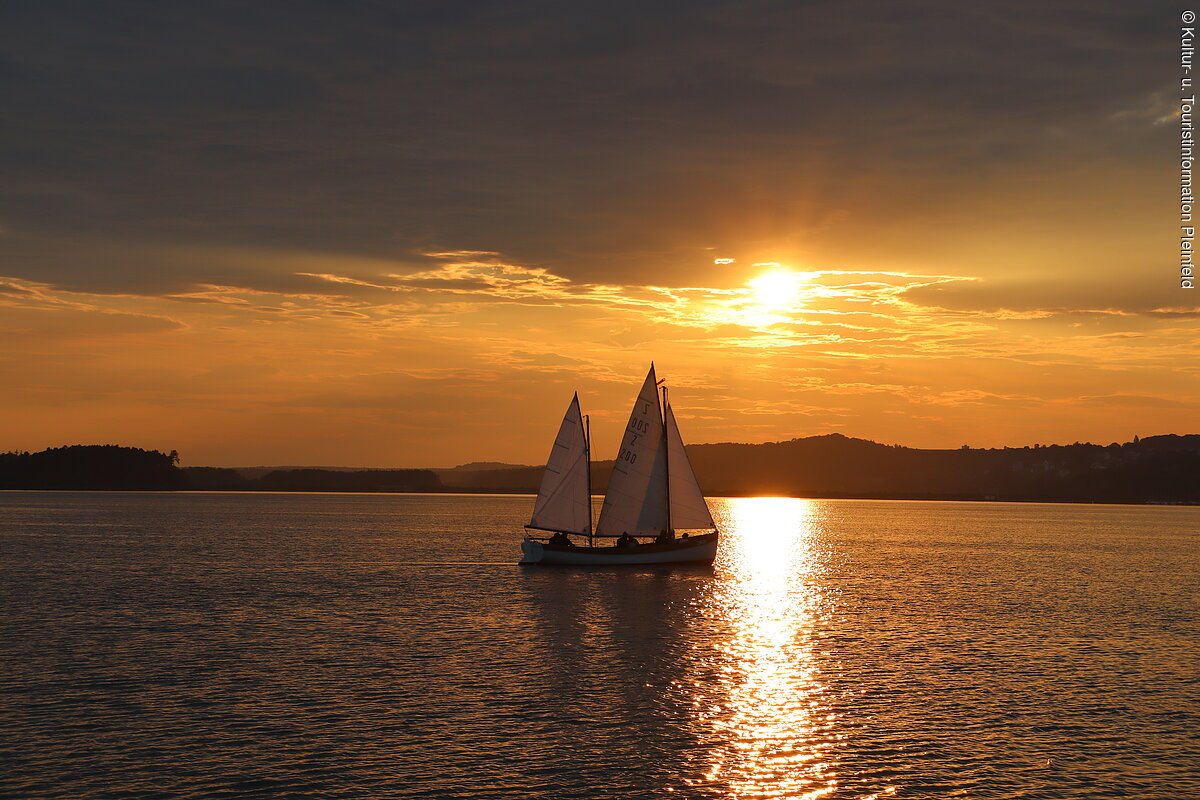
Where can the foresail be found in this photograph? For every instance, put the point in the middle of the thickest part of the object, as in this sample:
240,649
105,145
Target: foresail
563,503
689,510
636,502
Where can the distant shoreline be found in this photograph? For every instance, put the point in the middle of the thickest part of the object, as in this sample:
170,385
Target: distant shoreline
716,496
1157,470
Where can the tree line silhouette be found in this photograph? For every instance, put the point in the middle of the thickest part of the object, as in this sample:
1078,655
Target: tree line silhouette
111,467
100,466
1156,469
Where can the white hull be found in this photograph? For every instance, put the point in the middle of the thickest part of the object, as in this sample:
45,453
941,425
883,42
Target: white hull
701,550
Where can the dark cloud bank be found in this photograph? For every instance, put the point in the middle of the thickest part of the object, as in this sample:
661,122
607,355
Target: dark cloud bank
600,138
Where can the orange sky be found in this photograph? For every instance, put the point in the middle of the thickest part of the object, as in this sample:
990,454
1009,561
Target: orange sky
307,273
471,358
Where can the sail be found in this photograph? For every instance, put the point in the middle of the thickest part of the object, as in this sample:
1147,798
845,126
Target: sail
688,507
636,502
563,503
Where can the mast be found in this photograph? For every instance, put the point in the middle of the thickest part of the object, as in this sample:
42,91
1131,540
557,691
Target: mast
667,459
587,459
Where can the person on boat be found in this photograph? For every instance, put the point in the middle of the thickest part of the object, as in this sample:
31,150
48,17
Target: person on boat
666,537
625,540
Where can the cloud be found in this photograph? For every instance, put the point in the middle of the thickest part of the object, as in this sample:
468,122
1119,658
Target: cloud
30,329
1051,296
422,366
607,145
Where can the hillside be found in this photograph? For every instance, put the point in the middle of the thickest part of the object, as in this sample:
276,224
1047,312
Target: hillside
1155,469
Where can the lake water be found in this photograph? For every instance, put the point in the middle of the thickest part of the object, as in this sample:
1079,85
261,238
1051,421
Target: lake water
209,645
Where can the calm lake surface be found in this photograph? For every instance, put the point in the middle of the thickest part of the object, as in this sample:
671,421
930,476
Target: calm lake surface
207,645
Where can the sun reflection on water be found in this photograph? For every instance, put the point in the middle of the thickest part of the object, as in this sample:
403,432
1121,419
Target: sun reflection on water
773,731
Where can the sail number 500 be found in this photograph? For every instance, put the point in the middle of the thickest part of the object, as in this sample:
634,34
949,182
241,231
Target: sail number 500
639,427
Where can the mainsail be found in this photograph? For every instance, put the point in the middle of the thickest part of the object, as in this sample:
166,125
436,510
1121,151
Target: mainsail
636,501
563,502
688,508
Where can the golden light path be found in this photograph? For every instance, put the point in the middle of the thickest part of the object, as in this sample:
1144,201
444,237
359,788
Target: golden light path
776,732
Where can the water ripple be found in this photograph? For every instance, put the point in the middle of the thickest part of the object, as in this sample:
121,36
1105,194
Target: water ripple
364,646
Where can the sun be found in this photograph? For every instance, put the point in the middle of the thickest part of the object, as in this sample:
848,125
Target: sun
773,297
777,290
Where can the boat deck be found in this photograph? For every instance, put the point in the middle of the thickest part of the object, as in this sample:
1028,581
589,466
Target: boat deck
700,549
647,547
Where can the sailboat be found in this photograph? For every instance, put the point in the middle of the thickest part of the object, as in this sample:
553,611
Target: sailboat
654,508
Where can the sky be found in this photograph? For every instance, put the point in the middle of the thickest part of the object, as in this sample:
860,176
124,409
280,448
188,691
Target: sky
403,234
